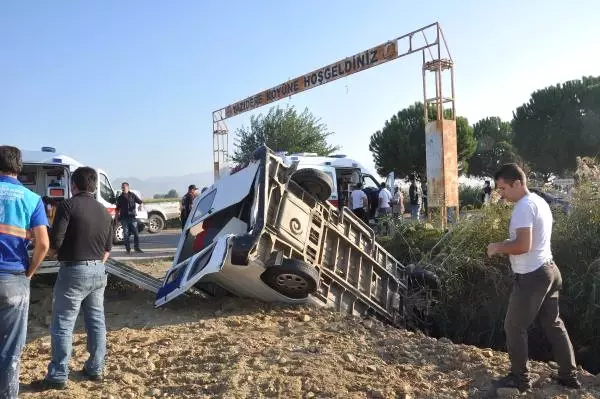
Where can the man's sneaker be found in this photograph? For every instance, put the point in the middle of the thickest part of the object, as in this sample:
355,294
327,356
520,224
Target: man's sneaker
45,385
523,384
92,377
139,251
569,382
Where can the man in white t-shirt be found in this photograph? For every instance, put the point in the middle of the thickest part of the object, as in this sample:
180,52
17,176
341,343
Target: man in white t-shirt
385,201
537,282
359,202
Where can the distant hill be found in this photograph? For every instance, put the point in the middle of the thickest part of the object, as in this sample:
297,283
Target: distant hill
161,185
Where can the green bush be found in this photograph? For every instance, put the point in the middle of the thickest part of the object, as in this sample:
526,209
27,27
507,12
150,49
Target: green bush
469,196
474,288
472,301
411,241
576,250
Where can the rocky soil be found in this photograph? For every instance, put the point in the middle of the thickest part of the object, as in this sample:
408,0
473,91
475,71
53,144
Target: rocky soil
232,348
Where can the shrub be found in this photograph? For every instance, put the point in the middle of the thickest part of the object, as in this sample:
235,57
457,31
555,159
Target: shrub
471,303
472,300
576,250
410,241
469,196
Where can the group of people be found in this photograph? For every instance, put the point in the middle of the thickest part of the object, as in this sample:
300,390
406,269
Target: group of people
388,204
81,236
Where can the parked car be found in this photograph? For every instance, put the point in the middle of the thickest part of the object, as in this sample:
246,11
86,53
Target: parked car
161,212
268,232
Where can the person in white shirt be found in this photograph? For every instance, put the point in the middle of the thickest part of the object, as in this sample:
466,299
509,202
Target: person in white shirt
359,202
385,200
537,282
398,203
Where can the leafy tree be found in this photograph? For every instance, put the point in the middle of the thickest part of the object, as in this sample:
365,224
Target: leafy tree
172,193
494,146
557,124
400,145
283,130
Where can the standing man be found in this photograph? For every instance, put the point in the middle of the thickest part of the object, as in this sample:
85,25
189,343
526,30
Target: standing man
82,237
126,212
385,200
359,202
537,282
415,195
186,203
398,203
487,193
21,212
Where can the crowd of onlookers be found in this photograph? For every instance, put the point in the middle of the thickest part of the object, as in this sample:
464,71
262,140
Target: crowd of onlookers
388,203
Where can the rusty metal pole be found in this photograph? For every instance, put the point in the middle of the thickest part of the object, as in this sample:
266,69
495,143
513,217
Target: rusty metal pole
425,103
426,110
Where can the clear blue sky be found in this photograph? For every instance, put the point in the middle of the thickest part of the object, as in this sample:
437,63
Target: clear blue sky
130,86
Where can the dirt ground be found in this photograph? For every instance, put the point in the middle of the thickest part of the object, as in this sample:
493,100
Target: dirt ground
156,268
233,348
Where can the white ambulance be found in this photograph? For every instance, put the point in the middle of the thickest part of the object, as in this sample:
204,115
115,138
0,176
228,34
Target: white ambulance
345,173
49,175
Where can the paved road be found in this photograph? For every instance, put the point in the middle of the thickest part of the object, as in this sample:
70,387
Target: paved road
159,245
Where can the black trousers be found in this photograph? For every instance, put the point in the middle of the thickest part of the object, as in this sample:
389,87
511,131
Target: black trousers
360,212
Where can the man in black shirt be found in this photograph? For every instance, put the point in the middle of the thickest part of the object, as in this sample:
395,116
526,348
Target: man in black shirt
487,193
126,212
82,236
186,204
415,196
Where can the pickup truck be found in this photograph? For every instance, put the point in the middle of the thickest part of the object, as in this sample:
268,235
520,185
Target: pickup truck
161,212
268,232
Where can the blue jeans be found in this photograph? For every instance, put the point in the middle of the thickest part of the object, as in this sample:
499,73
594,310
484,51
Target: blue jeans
14,308
130,227
78,286
415,210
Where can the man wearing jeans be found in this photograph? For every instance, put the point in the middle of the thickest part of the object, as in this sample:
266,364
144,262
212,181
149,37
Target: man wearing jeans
415,195
537,282
126,205
82,236
21,212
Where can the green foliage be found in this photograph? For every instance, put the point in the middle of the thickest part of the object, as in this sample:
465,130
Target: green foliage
400,145
494,146
472,301
576,250
172,193
474,287
283,130
557,124
466,143
469,196
411,241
